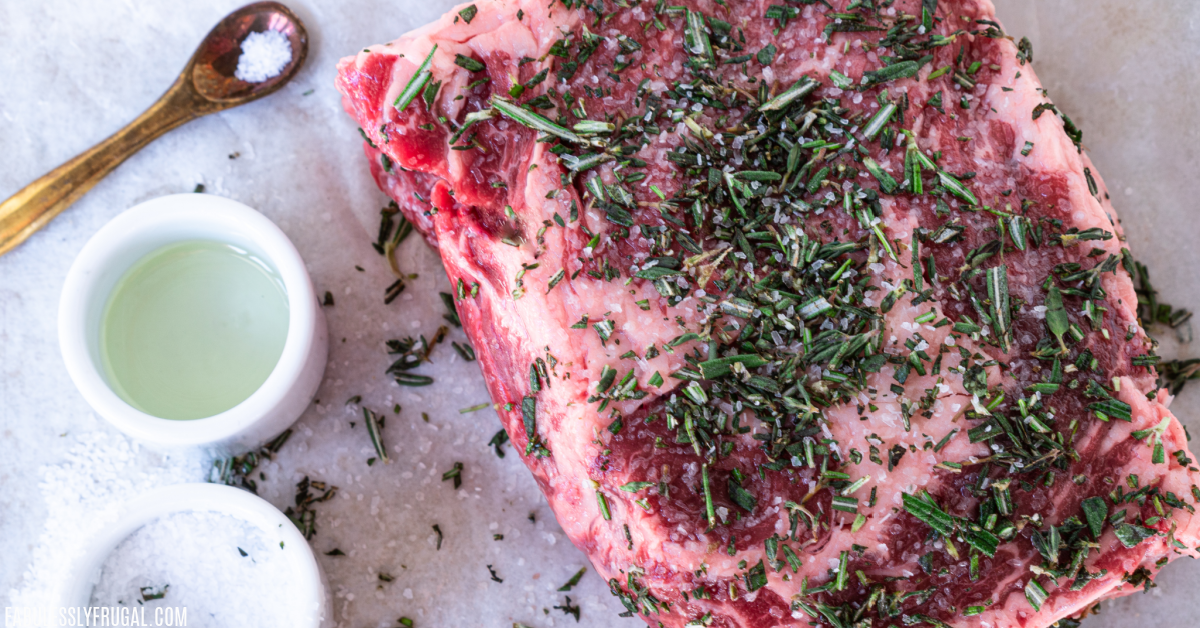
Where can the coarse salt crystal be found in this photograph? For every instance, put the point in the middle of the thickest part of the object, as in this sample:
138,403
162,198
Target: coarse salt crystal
219,567
264,55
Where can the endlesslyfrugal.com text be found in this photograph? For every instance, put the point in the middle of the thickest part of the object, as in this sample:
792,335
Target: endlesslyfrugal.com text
102,616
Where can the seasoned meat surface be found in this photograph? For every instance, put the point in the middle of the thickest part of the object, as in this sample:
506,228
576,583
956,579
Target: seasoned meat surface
801,313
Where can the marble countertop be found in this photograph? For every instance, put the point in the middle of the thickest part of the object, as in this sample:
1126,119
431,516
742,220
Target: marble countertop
73,74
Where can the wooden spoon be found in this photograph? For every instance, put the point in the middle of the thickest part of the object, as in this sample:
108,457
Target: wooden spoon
206,85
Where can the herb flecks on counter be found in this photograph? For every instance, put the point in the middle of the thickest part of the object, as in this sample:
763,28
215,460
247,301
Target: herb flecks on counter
239,470
309,493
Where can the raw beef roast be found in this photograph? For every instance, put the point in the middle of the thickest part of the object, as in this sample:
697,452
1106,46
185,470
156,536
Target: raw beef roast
801,312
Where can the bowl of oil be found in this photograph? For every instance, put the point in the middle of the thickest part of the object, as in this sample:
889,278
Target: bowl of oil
190,320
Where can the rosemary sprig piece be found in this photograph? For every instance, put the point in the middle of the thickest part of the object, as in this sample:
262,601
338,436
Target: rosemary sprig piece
798,91
955,187
574,580
375,431
415,84
470,120
695,37
997,285
924,509
879,120
535,121
455,474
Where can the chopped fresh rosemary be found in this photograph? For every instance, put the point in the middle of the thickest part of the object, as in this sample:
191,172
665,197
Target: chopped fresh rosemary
455,474
532,120
374,424
302,514
416,83
154,593
574,580
777,227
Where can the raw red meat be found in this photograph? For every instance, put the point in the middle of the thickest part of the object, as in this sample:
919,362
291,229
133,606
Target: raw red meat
821,316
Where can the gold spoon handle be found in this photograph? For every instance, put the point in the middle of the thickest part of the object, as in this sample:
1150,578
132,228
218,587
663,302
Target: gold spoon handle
39,202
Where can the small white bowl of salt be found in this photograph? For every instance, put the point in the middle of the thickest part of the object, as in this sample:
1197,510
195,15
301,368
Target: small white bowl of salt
200,555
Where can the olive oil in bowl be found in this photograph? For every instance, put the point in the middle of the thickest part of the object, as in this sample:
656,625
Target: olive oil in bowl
193,329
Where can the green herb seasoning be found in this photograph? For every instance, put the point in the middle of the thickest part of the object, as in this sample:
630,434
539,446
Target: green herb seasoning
772,221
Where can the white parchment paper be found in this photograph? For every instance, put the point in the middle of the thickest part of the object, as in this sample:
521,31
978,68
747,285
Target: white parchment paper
73,72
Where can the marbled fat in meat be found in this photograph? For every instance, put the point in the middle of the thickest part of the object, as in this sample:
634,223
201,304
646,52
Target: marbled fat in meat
522,303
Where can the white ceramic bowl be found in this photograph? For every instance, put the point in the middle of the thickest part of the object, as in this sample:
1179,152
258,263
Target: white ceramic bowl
153,224
308,597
